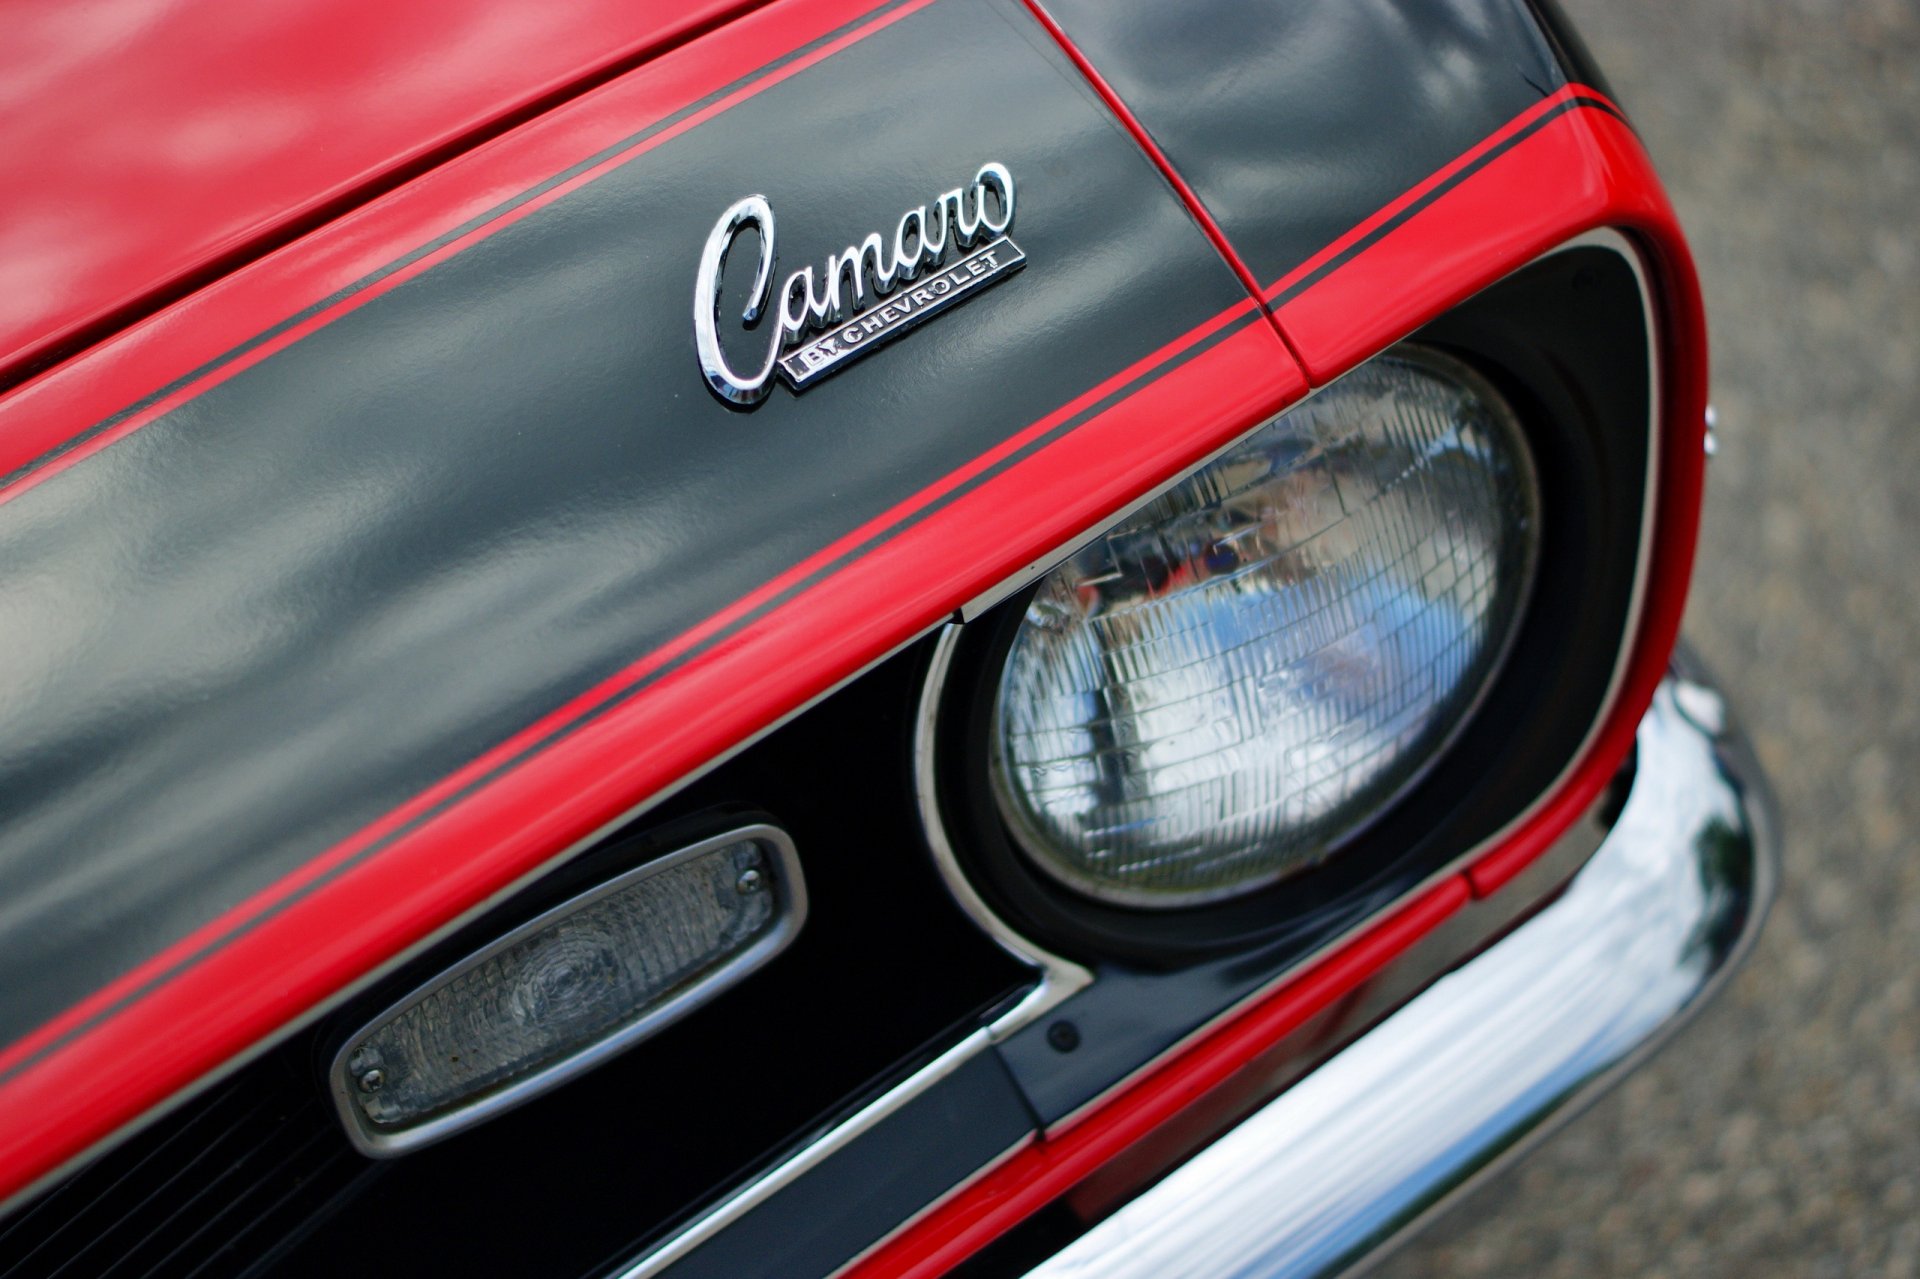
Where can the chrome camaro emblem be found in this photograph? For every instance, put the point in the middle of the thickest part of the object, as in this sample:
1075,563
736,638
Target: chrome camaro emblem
865,295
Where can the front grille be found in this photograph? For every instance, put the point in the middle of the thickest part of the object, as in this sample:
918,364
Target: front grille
256,1176
214,1190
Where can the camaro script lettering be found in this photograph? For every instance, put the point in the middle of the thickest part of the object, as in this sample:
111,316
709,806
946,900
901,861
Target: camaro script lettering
860,298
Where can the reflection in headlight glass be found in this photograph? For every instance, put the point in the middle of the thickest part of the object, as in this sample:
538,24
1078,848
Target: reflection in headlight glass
1212,695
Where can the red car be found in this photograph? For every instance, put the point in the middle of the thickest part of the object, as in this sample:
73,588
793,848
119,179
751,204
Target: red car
831,637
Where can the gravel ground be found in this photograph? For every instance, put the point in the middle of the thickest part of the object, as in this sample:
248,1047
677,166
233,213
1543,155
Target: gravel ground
1781,1134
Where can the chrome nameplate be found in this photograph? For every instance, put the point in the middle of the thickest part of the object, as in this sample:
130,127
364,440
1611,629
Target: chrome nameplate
863,297
889,318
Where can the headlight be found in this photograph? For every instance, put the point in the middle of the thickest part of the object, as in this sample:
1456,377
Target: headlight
1216,693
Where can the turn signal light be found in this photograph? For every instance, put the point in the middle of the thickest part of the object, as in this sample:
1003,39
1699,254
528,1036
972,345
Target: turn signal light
569,989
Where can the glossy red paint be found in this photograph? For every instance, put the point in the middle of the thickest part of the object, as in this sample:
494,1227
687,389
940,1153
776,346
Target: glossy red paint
277,956
1505,210
1041,1171
152,148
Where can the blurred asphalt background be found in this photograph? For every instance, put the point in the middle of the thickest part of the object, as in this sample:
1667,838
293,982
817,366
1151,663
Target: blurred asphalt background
1780,1135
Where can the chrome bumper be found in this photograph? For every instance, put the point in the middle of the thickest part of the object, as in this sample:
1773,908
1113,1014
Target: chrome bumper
1492,1057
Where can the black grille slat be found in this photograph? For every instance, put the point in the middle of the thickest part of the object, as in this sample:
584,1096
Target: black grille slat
138,1200
277,1227
72,1201
206,1191
276,1175
190,1196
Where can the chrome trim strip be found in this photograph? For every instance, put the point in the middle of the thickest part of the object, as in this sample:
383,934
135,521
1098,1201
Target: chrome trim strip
790,909
754,1193
1060,978
1485,1063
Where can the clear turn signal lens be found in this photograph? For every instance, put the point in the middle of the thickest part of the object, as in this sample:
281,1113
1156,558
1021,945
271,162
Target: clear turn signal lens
1216,693
569,989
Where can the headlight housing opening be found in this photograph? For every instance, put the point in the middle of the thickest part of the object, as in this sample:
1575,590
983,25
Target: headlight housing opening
1221,690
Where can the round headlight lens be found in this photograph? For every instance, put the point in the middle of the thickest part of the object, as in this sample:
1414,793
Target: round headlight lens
1215,693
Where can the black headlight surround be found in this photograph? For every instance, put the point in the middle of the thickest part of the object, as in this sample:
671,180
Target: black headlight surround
1565,340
